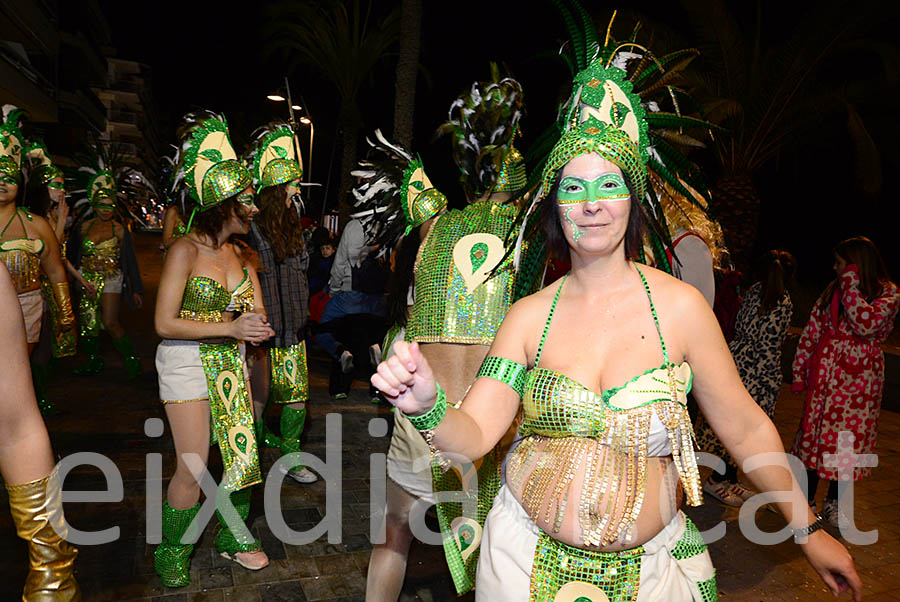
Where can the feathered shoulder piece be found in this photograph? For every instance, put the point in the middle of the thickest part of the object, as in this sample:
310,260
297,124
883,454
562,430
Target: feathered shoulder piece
482,124
394,195
39,163
207,170
11,142
99,177
273,158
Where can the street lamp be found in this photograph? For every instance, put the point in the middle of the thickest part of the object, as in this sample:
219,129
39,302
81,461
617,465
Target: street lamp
312,132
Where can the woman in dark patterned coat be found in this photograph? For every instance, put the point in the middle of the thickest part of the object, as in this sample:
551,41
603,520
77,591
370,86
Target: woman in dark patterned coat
760,327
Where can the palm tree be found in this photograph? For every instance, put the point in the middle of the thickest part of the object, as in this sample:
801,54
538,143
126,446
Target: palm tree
768,97
343,42
407,68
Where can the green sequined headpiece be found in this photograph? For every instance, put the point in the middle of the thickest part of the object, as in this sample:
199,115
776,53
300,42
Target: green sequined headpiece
42,166
208,170
420,200
101,174
393,194
274,158
11,143
102,189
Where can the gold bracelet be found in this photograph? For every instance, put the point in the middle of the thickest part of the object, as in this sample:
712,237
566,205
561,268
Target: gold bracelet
64,303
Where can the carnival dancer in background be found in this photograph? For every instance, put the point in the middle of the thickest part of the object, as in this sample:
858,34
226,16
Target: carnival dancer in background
27,466
589,508
205,283
102,248
277,237
455,280
46,196
28,244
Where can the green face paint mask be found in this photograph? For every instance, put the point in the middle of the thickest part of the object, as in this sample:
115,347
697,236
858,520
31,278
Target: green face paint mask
246,199
608,187
8,180
56,185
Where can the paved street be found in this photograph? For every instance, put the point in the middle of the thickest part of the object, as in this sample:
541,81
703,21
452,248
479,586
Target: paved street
106,415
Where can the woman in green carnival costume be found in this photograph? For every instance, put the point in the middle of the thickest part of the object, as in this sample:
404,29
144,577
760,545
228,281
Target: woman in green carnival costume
28,244
102,248
202,372
588,511
27,466
463,285
46,196
277,237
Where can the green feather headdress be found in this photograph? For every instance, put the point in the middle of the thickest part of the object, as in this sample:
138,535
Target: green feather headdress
625,100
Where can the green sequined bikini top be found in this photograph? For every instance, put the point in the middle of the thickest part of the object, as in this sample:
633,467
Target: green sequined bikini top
556,405
204,299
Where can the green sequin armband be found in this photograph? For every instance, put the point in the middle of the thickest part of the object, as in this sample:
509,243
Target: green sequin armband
506,371
430,419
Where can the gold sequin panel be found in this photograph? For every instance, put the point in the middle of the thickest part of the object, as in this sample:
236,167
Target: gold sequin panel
455,300
104,259
23,262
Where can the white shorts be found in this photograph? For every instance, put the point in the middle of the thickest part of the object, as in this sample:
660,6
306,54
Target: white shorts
113,284
409,460
180,371
507,556
32,304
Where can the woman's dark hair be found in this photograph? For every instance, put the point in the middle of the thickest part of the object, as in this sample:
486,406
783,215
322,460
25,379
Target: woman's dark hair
279,223
872,271
556,238
210,222
402,277
776,274
37,197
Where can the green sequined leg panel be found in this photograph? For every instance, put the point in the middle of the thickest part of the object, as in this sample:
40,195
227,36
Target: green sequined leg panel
563,572
228,542
172,559
292,421
94,363
132,363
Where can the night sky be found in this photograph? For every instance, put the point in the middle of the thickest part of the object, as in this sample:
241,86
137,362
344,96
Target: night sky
213,59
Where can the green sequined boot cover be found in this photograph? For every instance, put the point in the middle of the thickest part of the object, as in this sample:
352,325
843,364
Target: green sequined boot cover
94,363
292,421
126,349
172,559
39,374
264,436
226,542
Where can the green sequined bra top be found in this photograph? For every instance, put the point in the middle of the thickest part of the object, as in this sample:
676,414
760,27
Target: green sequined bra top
564,421
205,299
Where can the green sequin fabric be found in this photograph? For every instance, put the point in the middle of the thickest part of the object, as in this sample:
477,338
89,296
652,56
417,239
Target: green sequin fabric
556,565
229,542
506,371
446,310
222,181
512,176
290,377
280,171
172,559
101,257
204,299
89,306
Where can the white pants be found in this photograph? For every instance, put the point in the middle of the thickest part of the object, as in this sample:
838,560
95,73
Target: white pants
507,556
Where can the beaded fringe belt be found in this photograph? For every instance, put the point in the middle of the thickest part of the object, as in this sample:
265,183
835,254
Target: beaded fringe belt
231,415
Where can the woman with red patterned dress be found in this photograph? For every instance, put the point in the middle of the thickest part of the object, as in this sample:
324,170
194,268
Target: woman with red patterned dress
840,364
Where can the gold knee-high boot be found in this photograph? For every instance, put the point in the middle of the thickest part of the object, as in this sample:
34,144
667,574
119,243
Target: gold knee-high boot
37,511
